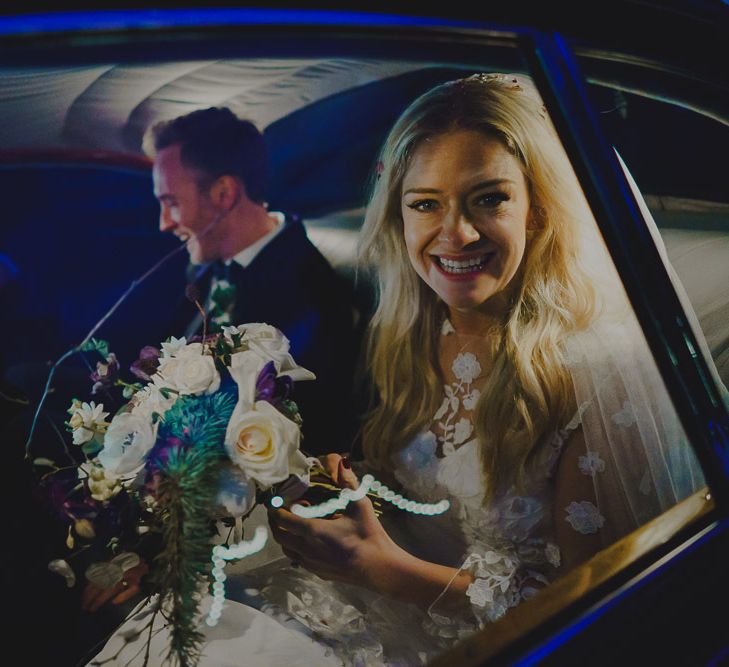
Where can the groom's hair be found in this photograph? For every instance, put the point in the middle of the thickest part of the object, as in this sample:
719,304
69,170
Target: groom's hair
215,142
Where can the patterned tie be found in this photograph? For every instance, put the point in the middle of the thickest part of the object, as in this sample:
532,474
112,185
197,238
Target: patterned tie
222,297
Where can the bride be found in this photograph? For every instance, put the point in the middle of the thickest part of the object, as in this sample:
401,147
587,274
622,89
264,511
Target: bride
509,376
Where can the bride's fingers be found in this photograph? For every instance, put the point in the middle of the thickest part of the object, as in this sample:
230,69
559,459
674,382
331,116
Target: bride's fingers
330,464
345,475
292,555
94,598
127,593
131,583
90,598
288,540
291,522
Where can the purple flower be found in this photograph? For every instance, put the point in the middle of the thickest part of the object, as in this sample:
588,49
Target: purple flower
272,388
106,374
159,455
69,502
146,366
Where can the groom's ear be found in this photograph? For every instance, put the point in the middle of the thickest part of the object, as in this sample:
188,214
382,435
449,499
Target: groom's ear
226,192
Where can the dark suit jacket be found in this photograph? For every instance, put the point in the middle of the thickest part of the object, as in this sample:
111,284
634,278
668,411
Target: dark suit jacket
291,286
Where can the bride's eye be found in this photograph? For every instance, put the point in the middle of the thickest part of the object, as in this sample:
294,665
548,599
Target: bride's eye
423,205
491,199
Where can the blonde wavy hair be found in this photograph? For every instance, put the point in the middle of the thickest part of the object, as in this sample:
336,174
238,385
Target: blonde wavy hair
528,393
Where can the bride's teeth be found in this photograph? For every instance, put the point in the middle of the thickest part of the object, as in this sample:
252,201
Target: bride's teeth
465,266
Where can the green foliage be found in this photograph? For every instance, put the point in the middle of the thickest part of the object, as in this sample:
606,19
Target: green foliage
186,492
96,345
200,419
188,485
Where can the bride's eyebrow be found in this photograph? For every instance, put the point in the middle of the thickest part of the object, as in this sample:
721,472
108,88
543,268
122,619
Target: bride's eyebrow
478,186
421,191
490,184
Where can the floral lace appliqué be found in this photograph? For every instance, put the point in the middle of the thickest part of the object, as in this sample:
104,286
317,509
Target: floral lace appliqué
452,432
553,554
495,588
626,417
584,517
645,485
591,464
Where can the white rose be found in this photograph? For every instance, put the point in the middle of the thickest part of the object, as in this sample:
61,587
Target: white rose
264,444
236,493
172,346
272,345
149,400
244,369
189,371
126,443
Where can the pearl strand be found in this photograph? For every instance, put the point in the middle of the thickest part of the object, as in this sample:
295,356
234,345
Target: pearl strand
346,496
221,554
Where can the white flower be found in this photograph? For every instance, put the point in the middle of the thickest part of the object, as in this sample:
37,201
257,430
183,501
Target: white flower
270,344
189,371
236,493
584,517
244,369
591,464
264,444
171,347
470,399
86,419
150,400
126,443
466,367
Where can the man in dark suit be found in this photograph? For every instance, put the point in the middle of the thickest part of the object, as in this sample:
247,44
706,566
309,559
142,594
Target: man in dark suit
249,264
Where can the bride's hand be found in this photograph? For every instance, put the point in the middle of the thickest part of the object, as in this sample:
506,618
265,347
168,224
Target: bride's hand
93,597
330,463
352,547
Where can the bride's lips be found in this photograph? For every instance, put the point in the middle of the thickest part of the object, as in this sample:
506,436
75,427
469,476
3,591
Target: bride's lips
462,268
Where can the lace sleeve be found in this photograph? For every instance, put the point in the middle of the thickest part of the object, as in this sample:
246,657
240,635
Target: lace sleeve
499,581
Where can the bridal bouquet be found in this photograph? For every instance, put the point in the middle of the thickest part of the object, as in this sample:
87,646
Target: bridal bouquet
204,430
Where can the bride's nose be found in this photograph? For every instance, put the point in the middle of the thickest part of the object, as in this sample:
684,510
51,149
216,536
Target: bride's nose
457,230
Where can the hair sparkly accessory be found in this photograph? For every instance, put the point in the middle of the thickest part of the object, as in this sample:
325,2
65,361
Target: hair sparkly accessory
484,77
379,168
512,81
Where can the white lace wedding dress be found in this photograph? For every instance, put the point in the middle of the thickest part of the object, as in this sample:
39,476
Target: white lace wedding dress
633,456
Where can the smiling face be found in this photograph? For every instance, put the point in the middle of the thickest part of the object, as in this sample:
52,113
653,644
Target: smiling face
464,207
185,210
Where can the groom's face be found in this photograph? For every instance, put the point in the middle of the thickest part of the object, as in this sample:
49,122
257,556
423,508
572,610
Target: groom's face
186,209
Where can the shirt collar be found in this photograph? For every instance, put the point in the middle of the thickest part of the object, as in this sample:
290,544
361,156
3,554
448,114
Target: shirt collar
247,255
